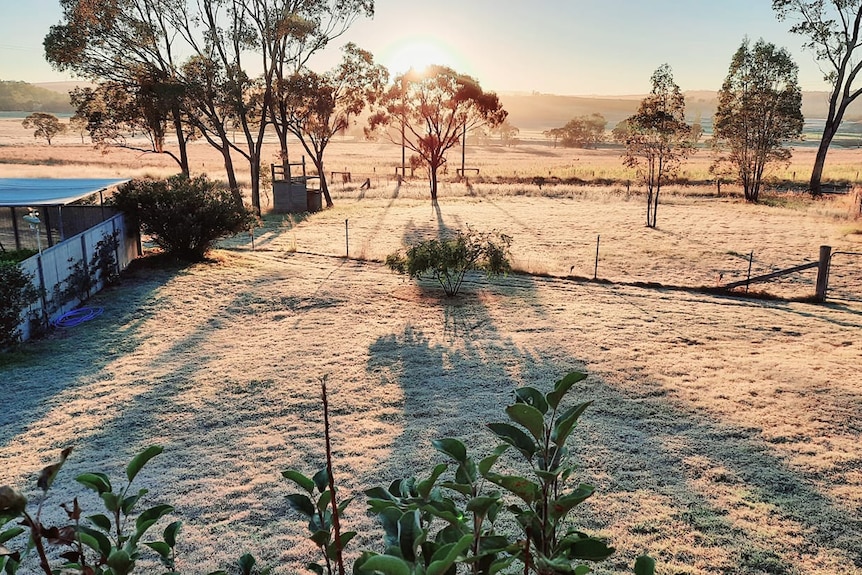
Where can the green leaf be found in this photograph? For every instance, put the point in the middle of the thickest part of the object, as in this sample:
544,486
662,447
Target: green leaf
160,547
582,570
120,562
380,493
301,480
514,437
301,503
566,422
582,547
384,565
561,506
462,488
467,472
530,418
316,567
343,505
171,532
321,480
424,487
321,537
446,556
111,501
98,482
562,387
532,396
488,462
149,517
520,486
140,460
410,534
324,499
644,565
480,505
346,537
95,540
246,564
451,447
129,502
10,533
100,521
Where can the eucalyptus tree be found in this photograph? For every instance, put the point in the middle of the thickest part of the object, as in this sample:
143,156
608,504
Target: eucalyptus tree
759,111
128,46
831,29
319,106
657,139
433,109
231,37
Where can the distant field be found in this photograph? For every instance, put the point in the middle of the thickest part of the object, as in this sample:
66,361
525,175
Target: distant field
724,435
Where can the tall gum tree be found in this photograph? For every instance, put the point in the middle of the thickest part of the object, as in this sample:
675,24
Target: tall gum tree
831,29
759,111
656,138
432,109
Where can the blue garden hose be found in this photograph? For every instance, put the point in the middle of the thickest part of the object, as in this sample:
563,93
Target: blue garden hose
77,316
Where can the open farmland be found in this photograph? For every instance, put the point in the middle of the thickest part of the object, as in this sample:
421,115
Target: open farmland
724,435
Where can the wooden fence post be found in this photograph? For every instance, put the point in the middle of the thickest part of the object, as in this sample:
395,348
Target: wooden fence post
823,273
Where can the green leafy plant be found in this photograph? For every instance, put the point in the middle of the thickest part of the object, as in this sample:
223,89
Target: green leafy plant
185,216
103,264
448,260
16,293
446,522
324,512
99,544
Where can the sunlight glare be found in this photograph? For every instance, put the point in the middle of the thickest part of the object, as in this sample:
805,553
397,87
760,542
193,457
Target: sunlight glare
417,53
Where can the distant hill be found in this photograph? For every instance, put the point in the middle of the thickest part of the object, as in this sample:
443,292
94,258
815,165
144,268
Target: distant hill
24,97
538,112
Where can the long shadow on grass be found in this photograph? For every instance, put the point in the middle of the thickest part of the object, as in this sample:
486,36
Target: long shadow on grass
71,358
639,447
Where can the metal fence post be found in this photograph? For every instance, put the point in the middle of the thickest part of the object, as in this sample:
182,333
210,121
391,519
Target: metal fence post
823,273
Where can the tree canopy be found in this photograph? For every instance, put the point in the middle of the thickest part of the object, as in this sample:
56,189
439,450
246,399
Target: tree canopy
433,109
657,138
831,29
759,110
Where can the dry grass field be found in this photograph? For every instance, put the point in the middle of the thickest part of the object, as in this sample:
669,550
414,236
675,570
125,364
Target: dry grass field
724,436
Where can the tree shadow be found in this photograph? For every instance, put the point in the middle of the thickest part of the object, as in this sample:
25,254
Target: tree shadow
642,448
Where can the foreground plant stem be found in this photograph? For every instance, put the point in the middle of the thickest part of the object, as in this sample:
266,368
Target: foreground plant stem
335,519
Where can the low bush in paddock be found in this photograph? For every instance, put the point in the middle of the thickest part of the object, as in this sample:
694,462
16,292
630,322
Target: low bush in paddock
185,216
448,260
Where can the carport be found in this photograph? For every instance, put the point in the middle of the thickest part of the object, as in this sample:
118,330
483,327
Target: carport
65,207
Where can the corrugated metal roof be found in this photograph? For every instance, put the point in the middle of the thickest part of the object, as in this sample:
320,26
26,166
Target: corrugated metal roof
49,192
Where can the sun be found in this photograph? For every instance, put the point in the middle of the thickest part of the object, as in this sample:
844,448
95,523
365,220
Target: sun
417,53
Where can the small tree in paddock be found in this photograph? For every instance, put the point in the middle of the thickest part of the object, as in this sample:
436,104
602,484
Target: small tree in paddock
658,139
585,131
47,125
447,261
431,110
759,110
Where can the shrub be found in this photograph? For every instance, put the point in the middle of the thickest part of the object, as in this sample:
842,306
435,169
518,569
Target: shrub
448,260
445,523
16,293
101,544
185,216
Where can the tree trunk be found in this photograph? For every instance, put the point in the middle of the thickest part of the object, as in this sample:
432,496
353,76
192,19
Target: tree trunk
814,185
181,140
324,185
433,170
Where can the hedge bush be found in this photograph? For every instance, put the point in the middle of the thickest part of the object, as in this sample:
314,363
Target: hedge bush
185,216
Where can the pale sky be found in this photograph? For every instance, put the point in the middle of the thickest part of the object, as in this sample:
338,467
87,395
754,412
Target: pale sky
567,47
